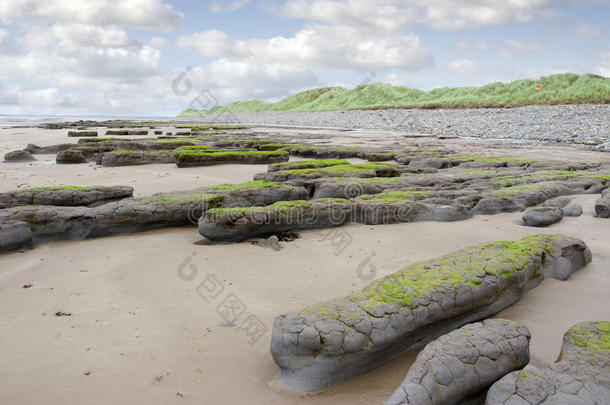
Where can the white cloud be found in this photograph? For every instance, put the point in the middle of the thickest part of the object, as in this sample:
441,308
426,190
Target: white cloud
212,43
396,79
604,64
350,48
380,14
158,42
438,14
3,34
463,67
91,35
510,47
232,6
141,14
453,15
49,97
9,96
472,49
588,31
520,46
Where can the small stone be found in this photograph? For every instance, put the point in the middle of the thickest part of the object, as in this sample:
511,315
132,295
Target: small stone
18,156
542,216
572,210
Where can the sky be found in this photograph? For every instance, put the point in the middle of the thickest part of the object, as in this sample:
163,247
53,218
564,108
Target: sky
158,57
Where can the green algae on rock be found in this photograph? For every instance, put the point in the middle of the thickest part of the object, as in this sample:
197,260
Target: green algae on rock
332,341
236,224
190,158
581,374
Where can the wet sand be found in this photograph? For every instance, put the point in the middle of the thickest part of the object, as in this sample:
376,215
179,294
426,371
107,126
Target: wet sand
141,334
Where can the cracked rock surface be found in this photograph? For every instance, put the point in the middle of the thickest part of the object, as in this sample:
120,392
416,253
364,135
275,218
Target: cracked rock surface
329,342
580,376
48,223
236,224
64,196
464,363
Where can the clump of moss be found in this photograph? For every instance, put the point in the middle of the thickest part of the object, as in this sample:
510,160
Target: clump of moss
249,185
513,191
502,259
348,170
281,207
309,164
193,153
394,197
23,208
202,196
483,159
592,335
177,141
382,181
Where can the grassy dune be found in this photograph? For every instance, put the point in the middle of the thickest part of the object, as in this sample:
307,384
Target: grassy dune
565,88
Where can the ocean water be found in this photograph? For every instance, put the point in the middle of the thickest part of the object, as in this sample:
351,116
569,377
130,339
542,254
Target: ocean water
9,121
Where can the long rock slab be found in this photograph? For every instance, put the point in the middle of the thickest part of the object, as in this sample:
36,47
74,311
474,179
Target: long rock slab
237,224
581,375
64,195
329,342
49,223
462,365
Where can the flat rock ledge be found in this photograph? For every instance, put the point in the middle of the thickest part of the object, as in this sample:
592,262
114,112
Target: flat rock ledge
30,225
581,375
237,224
602,205
186,159
333,341
464,363
64,195
132,158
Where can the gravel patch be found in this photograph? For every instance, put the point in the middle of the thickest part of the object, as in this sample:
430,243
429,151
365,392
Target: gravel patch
576,124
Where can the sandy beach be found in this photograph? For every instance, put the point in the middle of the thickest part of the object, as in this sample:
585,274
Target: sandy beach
140,333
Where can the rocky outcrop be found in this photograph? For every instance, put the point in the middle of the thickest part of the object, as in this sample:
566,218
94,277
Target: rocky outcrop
464,363
558,202
330,342
35,149
195,158
581,375
520,196
70,156
306,164
406,205
131,158
14,235
129,215
17,156
572,210
301,176
543,216
236,224
64,196
602,205
82,133
123,132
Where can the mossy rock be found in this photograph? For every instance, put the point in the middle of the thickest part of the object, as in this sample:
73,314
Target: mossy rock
329,342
